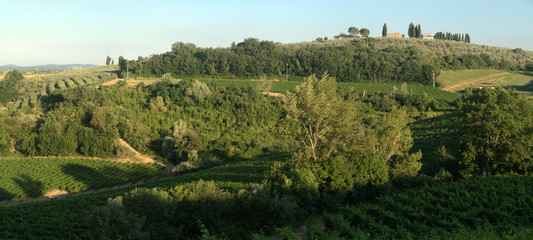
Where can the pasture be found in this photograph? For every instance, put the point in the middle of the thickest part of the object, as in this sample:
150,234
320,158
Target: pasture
460,80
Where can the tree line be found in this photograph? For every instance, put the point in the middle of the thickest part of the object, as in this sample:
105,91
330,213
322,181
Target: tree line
459,37
355,61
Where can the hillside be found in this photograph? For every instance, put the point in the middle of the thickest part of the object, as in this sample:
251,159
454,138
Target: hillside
359,60
369,150
46,67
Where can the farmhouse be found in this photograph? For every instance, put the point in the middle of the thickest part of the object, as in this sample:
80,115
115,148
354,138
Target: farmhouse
427,36
341,37
395,35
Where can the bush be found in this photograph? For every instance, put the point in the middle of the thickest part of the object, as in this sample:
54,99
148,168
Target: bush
114,222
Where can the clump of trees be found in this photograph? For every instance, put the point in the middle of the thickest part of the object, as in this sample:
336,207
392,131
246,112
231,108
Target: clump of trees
414,31
9,86
341,148
459,37
367,59
497,132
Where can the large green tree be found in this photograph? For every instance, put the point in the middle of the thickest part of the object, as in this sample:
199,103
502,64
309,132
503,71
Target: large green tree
498,132
353,31
340,150
411,30
364,32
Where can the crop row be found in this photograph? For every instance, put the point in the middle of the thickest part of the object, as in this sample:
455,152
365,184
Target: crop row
40,86
31,177
501,203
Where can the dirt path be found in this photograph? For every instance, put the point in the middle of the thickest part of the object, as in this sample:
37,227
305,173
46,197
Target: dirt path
137,158
451,88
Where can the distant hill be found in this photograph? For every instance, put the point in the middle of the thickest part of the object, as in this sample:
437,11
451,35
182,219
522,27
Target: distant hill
47,67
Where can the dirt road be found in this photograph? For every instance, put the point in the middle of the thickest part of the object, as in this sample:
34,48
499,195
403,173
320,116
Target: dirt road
451,88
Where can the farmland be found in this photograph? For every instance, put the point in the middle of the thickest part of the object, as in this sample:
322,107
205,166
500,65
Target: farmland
32,177
66,216
522,81
372,150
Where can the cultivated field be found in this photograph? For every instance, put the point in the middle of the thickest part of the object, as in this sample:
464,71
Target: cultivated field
460,80
32,177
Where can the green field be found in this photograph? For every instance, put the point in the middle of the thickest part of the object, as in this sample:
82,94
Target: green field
64,218
522,81
32,177
492,207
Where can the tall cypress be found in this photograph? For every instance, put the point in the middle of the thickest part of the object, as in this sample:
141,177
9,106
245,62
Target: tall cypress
418,31
384,32
411,30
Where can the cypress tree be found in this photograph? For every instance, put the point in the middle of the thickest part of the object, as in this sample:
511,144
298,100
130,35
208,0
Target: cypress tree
467,38
384,32
411,30
418,31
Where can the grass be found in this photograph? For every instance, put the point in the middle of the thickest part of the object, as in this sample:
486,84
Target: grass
449,78
32,177
522,81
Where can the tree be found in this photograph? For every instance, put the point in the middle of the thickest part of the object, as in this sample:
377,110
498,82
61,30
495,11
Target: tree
411,30
9,86
122,64
418,31
467,38
108,60
353,30
498,132
384,31
340,151
364,32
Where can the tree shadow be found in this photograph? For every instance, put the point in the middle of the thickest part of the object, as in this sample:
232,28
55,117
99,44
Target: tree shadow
5,195
430,134
96,179
30,187
527,87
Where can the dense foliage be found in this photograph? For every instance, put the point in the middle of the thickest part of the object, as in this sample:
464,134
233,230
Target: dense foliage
498,132
343,146
367,59
9,86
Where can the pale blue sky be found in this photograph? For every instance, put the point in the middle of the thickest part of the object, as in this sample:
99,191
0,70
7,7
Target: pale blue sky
74,31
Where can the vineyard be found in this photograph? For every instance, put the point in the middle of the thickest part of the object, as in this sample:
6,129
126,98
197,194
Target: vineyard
39,86
65,218
32,177
360,87
494,206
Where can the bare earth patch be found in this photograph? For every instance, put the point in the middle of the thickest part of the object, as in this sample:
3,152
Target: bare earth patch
272,94
55,193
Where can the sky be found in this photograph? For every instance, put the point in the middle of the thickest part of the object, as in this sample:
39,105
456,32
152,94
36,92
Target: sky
38,32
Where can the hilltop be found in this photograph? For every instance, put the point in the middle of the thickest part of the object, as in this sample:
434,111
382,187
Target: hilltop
358,60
